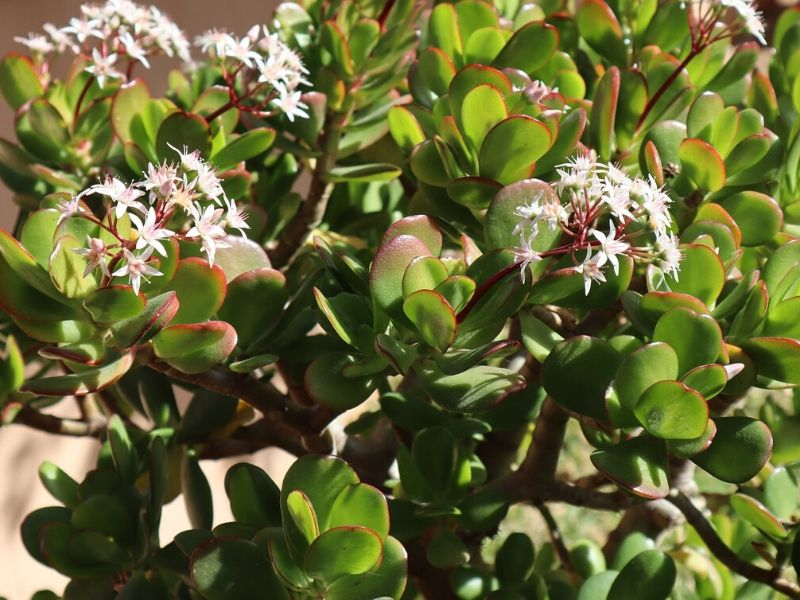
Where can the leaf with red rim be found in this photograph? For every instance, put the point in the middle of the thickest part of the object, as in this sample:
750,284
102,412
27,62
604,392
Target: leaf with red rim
511,148
639,465
79,384
195,347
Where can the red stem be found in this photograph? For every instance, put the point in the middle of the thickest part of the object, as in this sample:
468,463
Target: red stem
667,83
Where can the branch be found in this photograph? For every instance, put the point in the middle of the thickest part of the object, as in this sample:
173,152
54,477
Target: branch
251,438
313,209
558,541
770,577
548,436
34,419
263,396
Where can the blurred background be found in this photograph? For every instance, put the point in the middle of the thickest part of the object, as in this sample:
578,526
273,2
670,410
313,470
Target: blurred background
22,450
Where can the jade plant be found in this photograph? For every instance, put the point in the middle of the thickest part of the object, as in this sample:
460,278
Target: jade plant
517,285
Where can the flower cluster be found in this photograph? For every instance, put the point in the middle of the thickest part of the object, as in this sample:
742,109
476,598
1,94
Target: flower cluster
270,71
603,214
112,38
736,16
183,201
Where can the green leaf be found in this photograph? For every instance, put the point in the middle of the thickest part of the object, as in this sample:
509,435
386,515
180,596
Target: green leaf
512,147
514,560
321,479
12,368
587,558
302,515
334,41
530,48
433,318
127,108
501,218
443,31
195,347
604,110
196,492
689,448
249,318
405,128
423,273
157,314
741,447
48,123
388,268
577,373
183,129
482,109
67,269
326,383
122,451
114,303
637,372
446,550
671,410
79,384
18,80
473,390
473,192
248,145
471,76
60,485
776,357
638,464
758,215
364,505
231,569
26,266
422,227
599,27
200,289
364,172
435,70
702,164
709,380
758,515
651,574
597,586
341,551
696,339
254,497
539,339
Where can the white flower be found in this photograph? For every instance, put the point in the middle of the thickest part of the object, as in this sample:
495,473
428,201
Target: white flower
149,232
136,268
36,43
95,255
239,49
61,40
751,17
208,183
102,67
213,39
525,255
669,255
654,202
236,217
207,227
183,195
191,161
124,196
83,29
289,102
70,208
536,91
610,247
576,174
591,271
134,49
160,180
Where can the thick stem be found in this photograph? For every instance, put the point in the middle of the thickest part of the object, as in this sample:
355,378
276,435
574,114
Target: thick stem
52,424
313,209
770,577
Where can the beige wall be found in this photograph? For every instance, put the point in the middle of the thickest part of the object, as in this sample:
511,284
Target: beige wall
22,450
